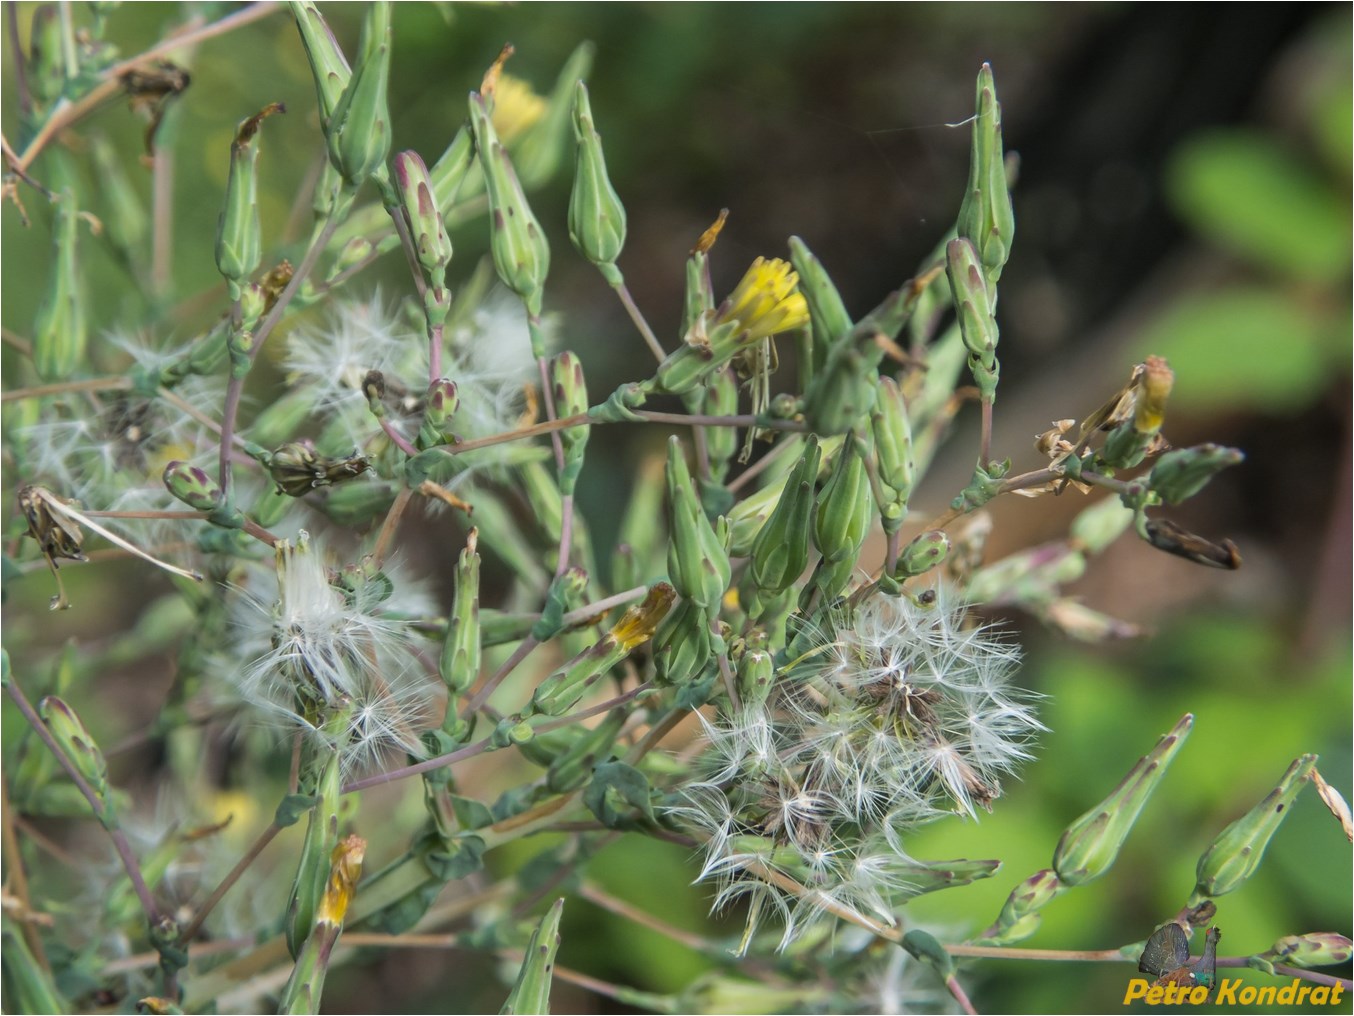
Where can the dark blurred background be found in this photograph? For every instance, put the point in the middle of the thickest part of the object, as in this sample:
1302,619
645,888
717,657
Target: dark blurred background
1184,190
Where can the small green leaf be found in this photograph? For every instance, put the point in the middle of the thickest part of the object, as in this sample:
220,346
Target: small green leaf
615,784
471,814
468,857
291,809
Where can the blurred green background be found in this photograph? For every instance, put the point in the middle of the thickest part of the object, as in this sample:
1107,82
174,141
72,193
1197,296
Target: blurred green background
1184,190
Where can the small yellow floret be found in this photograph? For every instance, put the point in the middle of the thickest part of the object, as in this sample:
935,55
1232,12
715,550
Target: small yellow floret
346,868
516,108
639,622
766,301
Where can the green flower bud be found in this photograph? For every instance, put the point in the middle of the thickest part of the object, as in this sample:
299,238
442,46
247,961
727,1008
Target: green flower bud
520,249
1236,853
59,331
79,749
985,216
843,392
1125,446
1181,474
756,674
204,358
358,131
596,215
438,409
354,252
892,432
781,550
699,296
749,516
459,661
1019,917
844,513
827,313
926,877
451,169
531,991
562,690
239,242
432,246
571,399
1317,949
1090,845
921,555
328,65
973,306
682,646
307,889
688,366
297,468
193,486
698,564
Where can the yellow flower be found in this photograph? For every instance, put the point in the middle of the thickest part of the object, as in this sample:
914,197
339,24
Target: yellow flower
516,108
1154,389
344,871
766,301
638,623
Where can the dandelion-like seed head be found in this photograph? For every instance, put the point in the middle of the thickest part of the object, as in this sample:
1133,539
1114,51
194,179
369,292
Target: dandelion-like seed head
328,660
903,712
357,336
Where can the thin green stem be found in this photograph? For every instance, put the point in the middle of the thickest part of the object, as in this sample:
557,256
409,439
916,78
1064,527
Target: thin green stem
584,420
481,695
250,855
250,527
480,747
757,468
985,442
632,308
93,384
